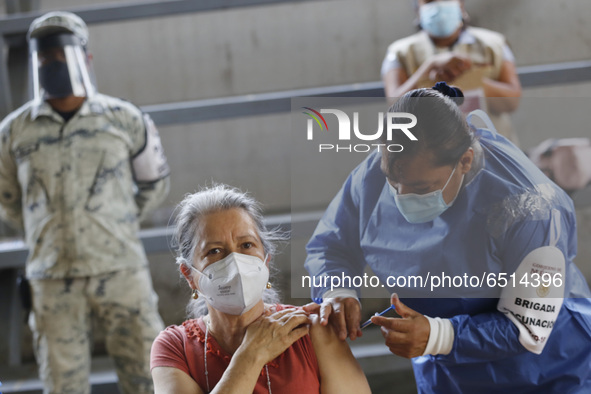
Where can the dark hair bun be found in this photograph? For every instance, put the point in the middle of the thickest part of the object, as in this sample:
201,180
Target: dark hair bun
450,91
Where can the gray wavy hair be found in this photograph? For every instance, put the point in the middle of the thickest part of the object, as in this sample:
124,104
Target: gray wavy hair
195,207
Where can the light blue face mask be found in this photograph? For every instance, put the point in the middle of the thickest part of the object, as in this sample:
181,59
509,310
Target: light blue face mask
441,18
422,208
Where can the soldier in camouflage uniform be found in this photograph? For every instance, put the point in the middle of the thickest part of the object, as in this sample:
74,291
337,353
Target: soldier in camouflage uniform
78,171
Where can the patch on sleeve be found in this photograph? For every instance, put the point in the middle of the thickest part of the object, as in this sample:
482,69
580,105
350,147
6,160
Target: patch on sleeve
534,303
150,164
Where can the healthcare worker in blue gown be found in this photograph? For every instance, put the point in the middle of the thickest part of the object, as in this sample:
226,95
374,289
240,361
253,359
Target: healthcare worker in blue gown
461,200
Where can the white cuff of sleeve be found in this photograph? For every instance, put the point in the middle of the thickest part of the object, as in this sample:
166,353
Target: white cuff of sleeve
343,293
441,337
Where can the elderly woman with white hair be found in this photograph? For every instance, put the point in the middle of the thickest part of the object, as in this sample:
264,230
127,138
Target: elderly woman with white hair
241,339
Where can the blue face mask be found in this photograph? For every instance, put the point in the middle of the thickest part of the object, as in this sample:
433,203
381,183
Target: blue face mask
441,18
422,208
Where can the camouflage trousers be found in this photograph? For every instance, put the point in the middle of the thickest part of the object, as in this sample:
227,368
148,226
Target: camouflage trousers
124,305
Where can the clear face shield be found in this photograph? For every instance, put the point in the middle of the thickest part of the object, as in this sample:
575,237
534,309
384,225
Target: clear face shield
59,67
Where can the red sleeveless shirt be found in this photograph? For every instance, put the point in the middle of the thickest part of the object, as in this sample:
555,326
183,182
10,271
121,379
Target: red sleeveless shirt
294,371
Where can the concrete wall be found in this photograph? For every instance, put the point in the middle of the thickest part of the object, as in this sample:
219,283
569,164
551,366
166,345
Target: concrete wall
270,48
288,46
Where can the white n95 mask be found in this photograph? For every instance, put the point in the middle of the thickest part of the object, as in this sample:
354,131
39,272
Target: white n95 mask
234,284
422,208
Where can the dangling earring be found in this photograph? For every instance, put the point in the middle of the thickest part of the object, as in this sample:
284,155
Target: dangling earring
269,285
194,294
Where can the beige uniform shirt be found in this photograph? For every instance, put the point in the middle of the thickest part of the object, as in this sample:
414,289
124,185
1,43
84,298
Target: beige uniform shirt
487,50
484,47
71,186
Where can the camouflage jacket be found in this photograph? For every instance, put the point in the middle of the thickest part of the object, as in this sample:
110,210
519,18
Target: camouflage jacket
72,187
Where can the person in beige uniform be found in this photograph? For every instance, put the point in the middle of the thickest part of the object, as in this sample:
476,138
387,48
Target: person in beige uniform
78,171
477,60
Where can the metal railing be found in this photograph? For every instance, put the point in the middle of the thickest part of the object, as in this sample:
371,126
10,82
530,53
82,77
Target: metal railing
280,102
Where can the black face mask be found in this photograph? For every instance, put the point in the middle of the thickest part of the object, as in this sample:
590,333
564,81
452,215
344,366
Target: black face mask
55,79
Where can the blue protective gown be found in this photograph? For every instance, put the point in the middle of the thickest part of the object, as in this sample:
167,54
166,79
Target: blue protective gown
499,216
